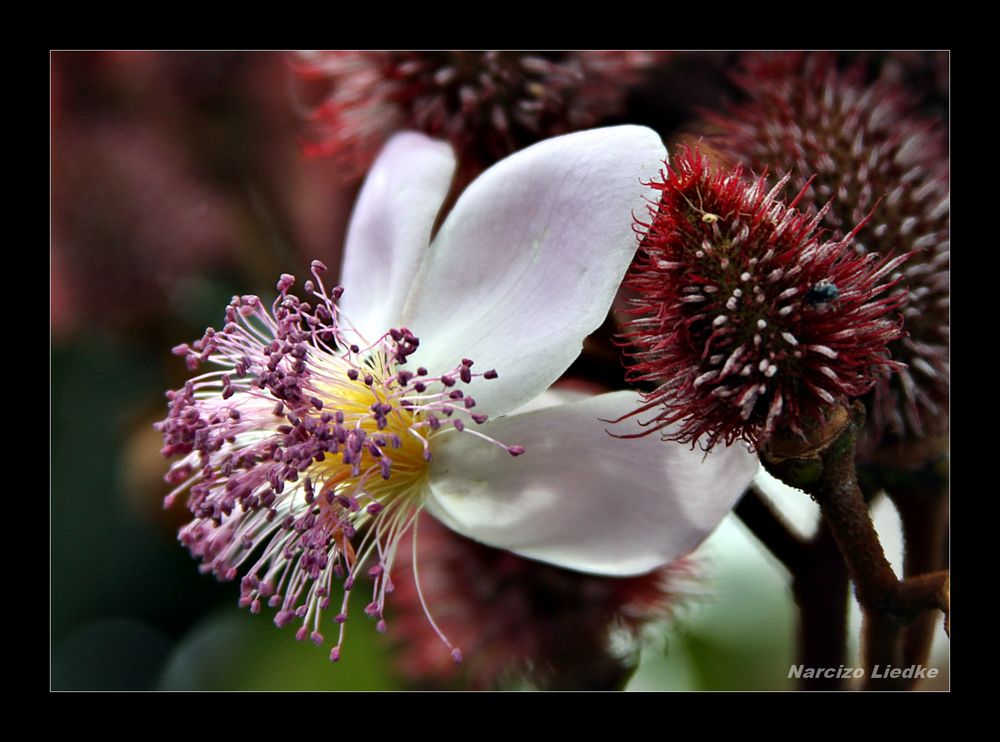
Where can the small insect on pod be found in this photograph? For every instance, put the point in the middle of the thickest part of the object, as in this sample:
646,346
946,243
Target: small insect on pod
822,292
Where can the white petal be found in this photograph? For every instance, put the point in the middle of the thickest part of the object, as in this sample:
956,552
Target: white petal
391,229
527,263
581,498
556,395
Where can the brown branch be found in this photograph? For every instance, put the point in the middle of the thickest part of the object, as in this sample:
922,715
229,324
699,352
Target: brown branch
923,593
819,585
821,591
771,529
824,467
921,500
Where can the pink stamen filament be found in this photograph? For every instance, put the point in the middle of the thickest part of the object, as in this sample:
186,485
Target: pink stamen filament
248,432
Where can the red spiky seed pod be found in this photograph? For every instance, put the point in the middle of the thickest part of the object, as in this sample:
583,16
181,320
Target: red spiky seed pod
859,143
516,618
486,103
747,320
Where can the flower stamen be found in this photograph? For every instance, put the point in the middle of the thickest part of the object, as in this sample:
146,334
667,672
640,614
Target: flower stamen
307,436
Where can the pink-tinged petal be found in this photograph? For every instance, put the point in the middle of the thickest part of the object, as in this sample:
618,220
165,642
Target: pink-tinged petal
527,263
580,498
391,229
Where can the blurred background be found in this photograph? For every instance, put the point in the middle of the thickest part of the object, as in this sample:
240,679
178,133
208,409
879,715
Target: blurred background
178,180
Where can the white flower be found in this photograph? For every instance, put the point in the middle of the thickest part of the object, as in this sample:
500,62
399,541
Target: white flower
329,426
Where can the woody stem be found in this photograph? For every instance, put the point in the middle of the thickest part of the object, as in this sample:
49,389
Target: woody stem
887,603
819,585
